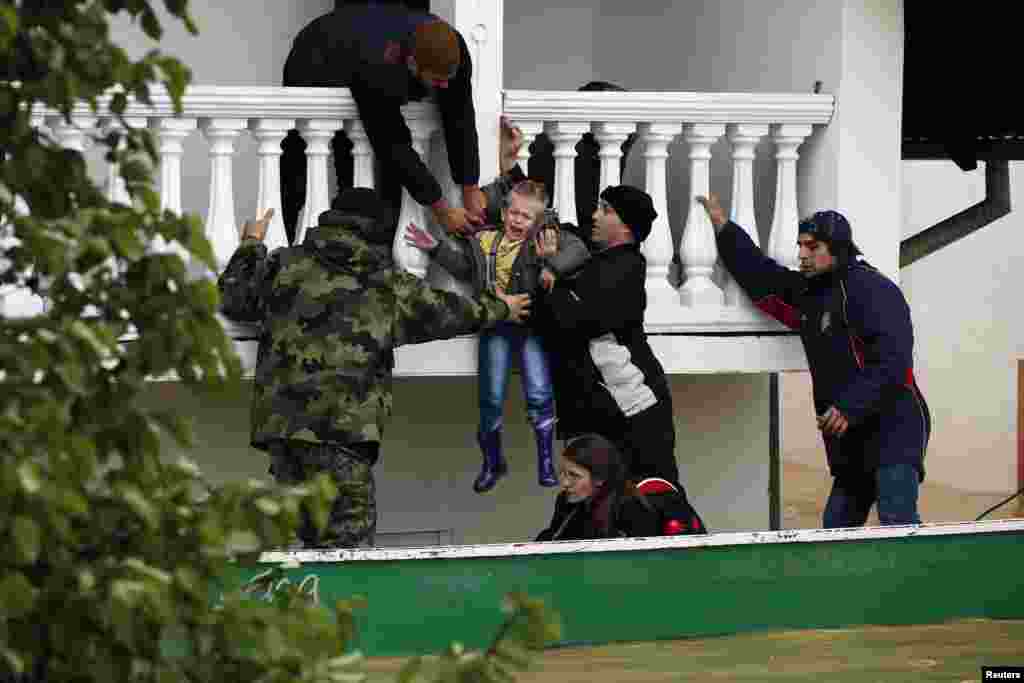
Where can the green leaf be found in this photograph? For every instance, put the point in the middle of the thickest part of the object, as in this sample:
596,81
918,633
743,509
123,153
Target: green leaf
17,596
30,477
8,26
410,670
27,540
140,506
14,661
243,541
150,24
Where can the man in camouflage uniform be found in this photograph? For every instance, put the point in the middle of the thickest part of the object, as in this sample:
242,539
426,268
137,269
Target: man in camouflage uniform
333,309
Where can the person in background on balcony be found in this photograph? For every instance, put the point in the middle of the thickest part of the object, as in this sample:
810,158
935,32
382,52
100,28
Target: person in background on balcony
389,55
519,254
333,309
607,378
597,498
856,330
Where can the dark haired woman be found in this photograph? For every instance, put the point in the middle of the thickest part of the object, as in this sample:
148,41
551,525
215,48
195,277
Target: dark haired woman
596,499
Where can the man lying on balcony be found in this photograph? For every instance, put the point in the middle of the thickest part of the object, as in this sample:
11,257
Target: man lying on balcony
856,330
388,55
607,378
333,309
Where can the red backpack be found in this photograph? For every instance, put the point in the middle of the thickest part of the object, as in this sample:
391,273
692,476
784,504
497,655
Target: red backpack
677,516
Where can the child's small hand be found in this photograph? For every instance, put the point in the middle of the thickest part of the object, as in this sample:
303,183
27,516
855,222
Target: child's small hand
547,279
546,242
518,305
416,236
256,229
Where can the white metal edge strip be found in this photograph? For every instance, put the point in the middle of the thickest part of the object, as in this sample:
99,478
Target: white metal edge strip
653,543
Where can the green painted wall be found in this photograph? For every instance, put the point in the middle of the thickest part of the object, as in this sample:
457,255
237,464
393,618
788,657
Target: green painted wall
419,606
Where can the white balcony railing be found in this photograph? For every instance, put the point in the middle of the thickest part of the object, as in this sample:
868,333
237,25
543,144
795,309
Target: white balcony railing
705,301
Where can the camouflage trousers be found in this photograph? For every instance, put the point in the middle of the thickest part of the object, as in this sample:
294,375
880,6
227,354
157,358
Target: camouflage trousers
353,517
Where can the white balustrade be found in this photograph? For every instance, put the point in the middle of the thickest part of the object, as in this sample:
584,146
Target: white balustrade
317,133
408,257
697,249
610,137
782,245
657,248
362,154
744,139
565,136
270,133
699,305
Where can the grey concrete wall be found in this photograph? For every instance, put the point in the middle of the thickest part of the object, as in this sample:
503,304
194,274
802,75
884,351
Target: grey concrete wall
429,458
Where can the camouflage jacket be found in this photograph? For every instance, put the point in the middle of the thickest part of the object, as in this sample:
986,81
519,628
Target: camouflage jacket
333,309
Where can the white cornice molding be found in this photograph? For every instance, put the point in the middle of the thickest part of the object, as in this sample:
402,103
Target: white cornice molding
653,107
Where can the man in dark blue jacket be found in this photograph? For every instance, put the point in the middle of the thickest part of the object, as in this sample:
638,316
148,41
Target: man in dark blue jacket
388,56
856,330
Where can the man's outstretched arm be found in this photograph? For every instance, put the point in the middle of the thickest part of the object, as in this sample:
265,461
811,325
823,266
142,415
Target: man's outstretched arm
772,287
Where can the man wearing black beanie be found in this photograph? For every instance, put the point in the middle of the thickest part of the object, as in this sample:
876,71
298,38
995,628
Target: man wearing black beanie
607,378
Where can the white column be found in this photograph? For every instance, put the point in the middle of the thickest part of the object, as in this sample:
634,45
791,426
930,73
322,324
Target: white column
408,257
530,131
657,248
362,154
269,133
317,133
698,250
744,138
565,136
782,242
481,23
221,226
611,136
74,135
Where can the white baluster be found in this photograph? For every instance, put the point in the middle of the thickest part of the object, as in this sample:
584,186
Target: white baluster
221,227
362,154
74,135
269,133
530,131
611,136
317,133
565,136
171,134
117,189
782,243
698,250
657,248
408,257
436,275
744,138
15,301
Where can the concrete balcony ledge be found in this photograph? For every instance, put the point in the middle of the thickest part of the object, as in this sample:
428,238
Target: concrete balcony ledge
680,349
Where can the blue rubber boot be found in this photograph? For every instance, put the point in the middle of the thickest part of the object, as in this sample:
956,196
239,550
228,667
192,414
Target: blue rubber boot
494,466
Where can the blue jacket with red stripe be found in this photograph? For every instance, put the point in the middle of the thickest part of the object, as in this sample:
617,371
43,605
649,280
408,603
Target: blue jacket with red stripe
856,330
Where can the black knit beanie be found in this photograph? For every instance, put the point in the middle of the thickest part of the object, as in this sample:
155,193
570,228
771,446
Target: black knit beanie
635,208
